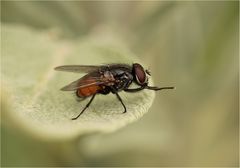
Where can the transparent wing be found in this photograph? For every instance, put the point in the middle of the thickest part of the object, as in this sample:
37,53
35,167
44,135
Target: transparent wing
79,68
90,79
81,83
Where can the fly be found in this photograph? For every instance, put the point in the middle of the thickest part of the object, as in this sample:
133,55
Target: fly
105,79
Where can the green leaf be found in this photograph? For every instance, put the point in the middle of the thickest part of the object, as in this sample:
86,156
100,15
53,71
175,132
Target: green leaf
33,101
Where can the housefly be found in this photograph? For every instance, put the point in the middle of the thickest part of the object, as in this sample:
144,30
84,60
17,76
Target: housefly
105,79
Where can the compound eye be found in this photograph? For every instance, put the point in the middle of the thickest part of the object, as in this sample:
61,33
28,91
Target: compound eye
139,73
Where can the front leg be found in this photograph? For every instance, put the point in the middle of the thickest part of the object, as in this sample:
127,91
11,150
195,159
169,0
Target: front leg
157,88
147,87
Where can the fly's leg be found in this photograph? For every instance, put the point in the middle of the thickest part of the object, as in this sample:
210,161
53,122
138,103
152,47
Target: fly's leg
147,87
120,99
85,107
135,89
114,91
157,88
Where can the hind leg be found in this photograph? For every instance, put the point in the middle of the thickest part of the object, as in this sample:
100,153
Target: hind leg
89,103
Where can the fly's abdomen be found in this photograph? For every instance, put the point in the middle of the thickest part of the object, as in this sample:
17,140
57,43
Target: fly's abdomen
88,91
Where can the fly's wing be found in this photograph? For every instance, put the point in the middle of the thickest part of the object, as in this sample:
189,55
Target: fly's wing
81,83
79,68
86,81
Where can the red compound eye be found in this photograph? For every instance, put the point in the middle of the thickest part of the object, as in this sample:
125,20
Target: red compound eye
140,74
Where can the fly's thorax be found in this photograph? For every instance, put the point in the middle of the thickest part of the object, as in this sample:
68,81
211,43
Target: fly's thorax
108,77
123,80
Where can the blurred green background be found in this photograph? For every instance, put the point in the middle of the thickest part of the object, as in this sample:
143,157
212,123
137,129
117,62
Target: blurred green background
191,45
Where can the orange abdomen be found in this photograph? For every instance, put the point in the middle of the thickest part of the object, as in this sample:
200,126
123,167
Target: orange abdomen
88,91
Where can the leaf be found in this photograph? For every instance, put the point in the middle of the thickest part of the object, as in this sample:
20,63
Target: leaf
33,101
